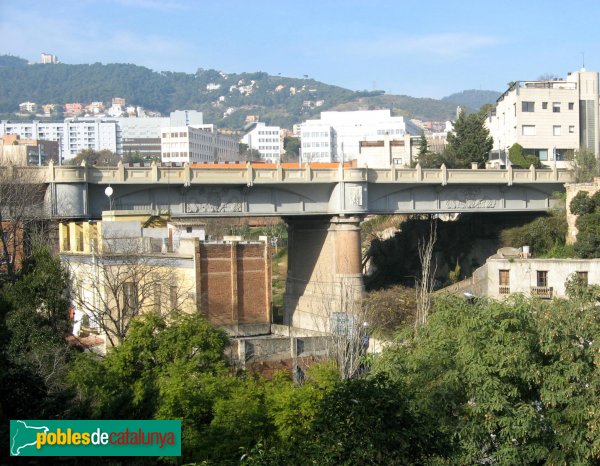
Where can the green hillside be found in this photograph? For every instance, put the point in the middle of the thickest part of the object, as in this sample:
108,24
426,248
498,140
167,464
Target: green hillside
225,99
473,98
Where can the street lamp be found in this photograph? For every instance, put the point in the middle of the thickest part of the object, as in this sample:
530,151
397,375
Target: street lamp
109,192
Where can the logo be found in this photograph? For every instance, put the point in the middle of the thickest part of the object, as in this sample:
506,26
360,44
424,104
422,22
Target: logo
95,438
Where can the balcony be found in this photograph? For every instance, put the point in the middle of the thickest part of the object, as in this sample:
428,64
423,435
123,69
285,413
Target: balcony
543,292
503,290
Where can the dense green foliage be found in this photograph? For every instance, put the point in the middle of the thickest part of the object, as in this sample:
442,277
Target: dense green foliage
34,321
543,235
508,383
587,209
469,143
582,204
519,159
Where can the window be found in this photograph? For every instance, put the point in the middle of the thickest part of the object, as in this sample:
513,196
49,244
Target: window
571,129
571,105
556,107
544,105
504,281
130,298
527,106
582,278
541,154
556,130
542,278
564,154
528,130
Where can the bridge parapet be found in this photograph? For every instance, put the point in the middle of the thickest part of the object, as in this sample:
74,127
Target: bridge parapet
254,174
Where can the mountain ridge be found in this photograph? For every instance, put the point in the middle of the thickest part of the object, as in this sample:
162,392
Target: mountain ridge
224,98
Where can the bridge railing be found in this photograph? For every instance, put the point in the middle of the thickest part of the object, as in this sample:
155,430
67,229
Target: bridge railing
250,175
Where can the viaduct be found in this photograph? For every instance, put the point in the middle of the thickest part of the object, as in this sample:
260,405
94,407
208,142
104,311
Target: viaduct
322,207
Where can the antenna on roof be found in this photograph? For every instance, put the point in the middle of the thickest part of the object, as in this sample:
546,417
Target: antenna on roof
583,60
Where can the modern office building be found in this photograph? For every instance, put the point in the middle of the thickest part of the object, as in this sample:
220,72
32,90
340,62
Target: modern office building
266,140
549,118
197,144
336,136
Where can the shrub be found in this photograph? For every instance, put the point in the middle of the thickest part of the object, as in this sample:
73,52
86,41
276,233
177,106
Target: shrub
582,204
543,234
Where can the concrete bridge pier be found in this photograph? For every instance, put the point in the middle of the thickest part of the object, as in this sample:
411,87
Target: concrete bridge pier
324,270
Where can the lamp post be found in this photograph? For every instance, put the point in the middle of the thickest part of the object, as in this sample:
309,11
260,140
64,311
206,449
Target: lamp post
109,192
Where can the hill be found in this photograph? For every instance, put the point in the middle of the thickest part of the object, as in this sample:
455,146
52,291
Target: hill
473,98
225,99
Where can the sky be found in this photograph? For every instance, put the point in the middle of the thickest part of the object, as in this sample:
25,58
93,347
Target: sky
417,48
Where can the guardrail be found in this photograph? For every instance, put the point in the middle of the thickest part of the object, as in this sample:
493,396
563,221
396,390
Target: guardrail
252,174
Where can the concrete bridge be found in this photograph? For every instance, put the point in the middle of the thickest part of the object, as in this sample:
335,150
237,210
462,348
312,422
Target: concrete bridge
322,207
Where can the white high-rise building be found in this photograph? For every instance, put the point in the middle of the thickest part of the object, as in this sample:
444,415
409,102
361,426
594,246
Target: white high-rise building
73,135
336,136
266,140
549,118
197,144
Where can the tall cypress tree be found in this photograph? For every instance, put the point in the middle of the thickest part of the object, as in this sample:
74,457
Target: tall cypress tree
470,142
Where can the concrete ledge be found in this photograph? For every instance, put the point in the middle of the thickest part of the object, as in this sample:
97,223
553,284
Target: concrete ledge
246,330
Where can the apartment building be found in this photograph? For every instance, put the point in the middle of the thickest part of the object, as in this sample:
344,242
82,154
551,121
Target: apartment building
197,144
266,140
336,136
73,135
48,58
132,262
549,118
135,136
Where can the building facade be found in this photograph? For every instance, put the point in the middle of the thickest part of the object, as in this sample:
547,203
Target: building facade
123,136
197,144
549,118
266,140
73,135
119,266
541,278
336,136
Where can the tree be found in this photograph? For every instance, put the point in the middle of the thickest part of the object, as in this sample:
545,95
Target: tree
291,145
168,367
21,206
103,157
366,421
423,146
518,158
34,355
123,281
470,142
585,165
249,155
425,284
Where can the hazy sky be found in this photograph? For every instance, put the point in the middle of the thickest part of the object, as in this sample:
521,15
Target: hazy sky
420,48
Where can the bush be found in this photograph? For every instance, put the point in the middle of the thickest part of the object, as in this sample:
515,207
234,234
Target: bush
582,204
543,234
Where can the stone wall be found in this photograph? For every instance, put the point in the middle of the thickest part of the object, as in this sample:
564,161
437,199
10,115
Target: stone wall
572,190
